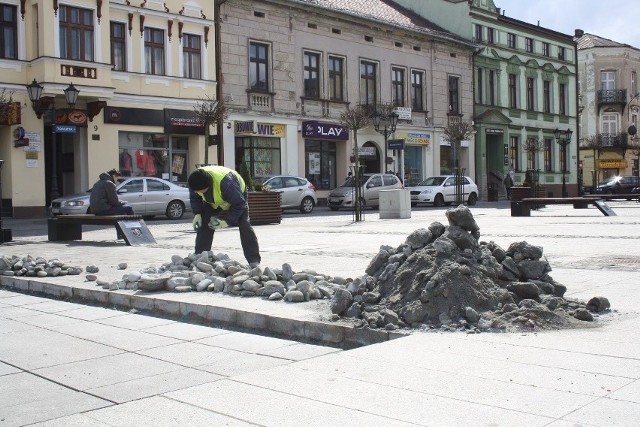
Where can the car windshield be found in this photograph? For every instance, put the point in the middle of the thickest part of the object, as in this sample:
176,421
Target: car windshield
434,181
350,181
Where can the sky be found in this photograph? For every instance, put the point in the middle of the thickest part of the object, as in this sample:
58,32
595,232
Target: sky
617,20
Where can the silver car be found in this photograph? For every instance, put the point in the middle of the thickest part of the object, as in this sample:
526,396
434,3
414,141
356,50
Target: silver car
372,184
147,196
295,192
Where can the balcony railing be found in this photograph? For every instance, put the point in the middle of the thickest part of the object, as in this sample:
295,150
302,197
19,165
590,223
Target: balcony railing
615,140
612,96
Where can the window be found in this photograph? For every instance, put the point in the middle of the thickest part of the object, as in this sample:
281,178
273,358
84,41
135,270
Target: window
548,163
511,40
154,51
478,34
561,53
480,86
191,56
76,33
607,80
260,154
397,86
368,93
311,74
153,185
258,66
9,31
531,94
513,91
118,46
336,78
546,94
562,95
454,95
150,154
528,44
513,153
610,123
545,49
491,35
417,87
492,87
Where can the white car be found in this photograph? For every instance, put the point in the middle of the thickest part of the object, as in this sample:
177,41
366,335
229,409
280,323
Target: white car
441,190
295,192
147,196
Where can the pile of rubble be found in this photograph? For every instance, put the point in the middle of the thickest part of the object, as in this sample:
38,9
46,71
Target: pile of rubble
442,277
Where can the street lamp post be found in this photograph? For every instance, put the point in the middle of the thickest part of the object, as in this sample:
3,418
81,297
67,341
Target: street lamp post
385,124
563,138
35,95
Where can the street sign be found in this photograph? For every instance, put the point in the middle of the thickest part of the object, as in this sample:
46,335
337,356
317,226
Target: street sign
396,144
64,129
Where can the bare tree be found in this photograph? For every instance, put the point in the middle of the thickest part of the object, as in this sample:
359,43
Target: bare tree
210,111
454,133
356,119
595,143
532,146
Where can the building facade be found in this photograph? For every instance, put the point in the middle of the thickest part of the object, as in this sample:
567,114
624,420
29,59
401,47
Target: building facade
290,68
609,108
525,80
139,68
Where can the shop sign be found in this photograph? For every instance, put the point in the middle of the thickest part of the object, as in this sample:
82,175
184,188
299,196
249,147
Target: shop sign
612,164
367,151
404,113
265,129
492,131
246,127
133,116
183,122
328,131
422,138
64,129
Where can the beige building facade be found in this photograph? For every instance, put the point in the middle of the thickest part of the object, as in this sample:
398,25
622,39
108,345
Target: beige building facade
290,68
609,108
139,68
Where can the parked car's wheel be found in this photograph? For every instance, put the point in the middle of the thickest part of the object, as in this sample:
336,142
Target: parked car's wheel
175,209
438,200
473,199
306,206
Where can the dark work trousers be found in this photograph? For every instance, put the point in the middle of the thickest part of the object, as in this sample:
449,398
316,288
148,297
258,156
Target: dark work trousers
118,210
248,239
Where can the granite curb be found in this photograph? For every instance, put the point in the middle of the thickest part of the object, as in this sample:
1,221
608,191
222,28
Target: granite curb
313,331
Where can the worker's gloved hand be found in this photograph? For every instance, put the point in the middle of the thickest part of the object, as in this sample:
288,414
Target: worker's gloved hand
217,223
197,222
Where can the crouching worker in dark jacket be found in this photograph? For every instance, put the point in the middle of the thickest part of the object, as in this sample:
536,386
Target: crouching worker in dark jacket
104,198
216,189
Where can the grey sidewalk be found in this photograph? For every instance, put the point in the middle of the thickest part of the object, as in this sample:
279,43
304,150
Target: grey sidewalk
116,368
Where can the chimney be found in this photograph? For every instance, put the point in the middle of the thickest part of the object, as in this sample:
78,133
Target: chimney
579,33
498,10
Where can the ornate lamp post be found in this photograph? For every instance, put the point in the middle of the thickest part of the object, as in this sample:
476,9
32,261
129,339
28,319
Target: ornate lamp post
385,124
563,138
35,96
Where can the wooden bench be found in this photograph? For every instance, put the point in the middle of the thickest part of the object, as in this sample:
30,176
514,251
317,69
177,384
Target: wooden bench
131,228
523,207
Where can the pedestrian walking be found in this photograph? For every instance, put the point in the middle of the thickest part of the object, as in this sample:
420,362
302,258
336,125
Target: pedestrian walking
218,191
508,183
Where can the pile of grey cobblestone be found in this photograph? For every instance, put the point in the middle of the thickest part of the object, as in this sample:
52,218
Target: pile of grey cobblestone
441,277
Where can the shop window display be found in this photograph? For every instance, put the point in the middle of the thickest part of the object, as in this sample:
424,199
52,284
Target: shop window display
262,155
145,154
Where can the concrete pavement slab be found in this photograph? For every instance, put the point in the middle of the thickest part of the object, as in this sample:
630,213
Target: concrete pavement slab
190,354
47,320
263,406
608,412
38,348
7,369
26,398
299,351
76,420
184,331
242,363
8,325
249,343
136,322
108,370
138,388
